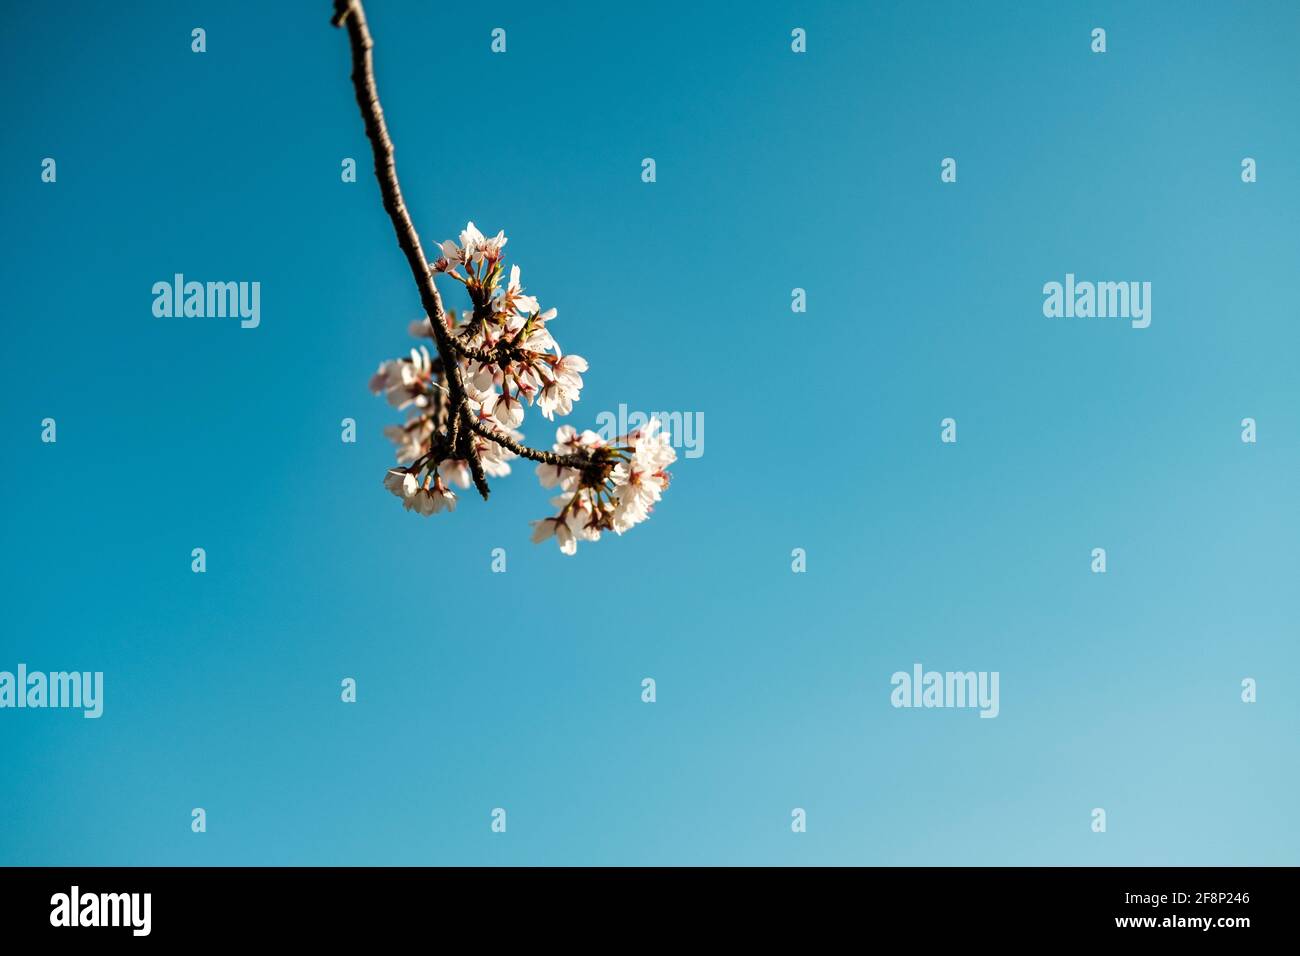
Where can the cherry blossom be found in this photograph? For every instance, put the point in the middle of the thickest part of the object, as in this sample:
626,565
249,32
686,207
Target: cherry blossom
617,488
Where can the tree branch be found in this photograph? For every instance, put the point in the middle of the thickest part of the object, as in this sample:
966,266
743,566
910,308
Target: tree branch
523,451
351,14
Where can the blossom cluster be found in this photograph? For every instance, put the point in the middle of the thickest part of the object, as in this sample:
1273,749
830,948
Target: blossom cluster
617,489
507,358
511,325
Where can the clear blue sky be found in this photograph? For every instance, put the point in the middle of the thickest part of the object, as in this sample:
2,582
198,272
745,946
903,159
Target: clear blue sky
775,170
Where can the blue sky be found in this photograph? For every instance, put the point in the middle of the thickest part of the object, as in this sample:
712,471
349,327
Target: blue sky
774,171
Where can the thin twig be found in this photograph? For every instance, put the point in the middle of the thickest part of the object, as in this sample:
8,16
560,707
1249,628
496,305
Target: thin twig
523,451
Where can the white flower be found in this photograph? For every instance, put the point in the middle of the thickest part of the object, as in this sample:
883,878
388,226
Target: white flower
485,376
379,381
538,338
474,247
552,475
508,411
628,512
527,382
491,248
514,303
554,398
471,243
566,538
405,381
640,482
410,439
568,441
635,483
495,459
545,528
567,369
395,481
457,471
653,448
581,520
440,497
